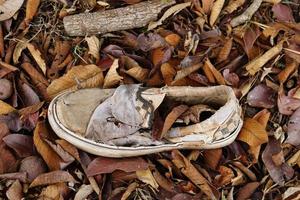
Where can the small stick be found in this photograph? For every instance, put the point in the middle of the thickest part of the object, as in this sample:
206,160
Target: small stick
247,15
133,16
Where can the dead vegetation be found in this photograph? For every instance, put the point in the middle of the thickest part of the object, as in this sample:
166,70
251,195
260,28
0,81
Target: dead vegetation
252,46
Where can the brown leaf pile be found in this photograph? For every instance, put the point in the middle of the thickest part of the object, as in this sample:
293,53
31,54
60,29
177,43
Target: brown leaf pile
252,46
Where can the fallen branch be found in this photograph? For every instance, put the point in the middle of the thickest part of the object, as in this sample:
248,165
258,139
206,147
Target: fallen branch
134,16
247,15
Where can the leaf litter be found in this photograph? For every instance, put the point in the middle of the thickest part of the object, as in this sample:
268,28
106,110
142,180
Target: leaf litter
251,46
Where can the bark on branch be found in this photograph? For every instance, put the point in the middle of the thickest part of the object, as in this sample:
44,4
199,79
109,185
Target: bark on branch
133,16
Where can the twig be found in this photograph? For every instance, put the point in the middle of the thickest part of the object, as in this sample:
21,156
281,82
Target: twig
247,15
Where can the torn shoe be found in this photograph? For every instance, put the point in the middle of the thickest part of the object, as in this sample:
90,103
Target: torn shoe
118,122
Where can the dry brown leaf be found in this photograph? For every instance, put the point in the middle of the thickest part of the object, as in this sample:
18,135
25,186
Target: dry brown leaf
9,7
295,159
94,46
134,70
192,173
36,77
233,5
36,54
138,73
31,9
225,51
253,133
155,80
30,109
146,177
129,190
287,71
213,72
246,191
112,77
207,5
215,11
168,72
256,64
225,177
163,182
33,166
51,158
52,178
69,148
5,108
272,1
15,191
186,71
83,192
171,118
21,45
171,11
54,191
246,170
209,75
157,55
173,39
212,157
86,76
262,117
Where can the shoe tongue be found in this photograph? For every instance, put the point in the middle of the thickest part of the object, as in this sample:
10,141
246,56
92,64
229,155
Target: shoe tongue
123,105
134,105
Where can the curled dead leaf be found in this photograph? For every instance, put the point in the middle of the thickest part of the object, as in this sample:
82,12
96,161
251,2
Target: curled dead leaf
277,173
171,11
287,104
21,144
294,129
5,108
86,76
233,5
52,159
253,133
212,157
173,39
94,46
15,191
33,166
31,9
225,51
261,96
52,178
146,176
171,118
212,73
215,11
36,54
246,191
112,77
256,64
186,71
9,7
83,192
287,71
150,41
193,174
168,72
55,191
102,165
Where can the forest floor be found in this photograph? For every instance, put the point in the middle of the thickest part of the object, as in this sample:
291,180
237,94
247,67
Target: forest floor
251,46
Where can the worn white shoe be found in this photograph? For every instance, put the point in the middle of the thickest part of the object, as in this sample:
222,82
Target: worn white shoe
81,118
